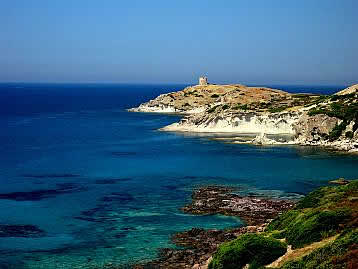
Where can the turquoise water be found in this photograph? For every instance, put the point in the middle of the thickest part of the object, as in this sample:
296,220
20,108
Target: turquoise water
105,186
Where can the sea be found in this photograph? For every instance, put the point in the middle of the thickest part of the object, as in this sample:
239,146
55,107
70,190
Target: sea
84,183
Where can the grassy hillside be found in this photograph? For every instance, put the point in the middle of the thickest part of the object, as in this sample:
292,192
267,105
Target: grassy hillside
322,232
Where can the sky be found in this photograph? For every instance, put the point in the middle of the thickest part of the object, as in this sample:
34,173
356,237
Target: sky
294,42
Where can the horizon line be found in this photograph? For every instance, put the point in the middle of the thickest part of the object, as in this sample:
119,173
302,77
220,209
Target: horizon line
172,83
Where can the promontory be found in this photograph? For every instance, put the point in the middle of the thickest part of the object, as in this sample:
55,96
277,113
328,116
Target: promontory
264,113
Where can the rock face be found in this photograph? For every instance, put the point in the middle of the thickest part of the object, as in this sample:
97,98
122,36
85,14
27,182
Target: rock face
239,122
313,129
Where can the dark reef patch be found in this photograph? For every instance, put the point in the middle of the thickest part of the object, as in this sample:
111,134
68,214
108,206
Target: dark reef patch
170,187
118,196
91,215
8,230
105,181
111,180
122,153
37,195
99,214
122,179
50,175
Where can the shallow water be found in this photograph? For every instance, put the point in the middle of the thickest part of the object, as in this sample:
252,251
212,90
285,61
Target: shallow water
105,186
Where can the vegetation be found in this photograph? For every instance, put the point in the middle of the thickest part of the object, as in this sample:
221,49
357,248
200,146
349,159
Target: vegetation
343,107
241,107
320,214
215,96
324,213
337,131
277,109
341,253
194,92
225,107
349,134
235,254
342,97
211,110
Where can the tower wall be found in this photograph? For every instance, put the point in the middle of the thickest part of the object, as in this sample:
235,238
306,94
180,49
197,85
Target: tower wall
203,81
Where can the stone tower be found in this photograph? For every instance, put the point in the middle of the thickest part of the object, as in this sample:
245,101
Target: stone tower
203,81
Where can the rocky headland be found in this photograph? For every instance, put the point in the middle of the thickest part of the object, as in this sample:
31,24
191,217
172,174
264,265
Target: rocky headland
311,119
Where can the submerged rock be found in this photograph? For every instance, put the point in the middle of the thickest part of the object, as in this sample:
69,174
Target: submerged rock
50,175
41,194
8,230
222,200
340,181
105,181
111,180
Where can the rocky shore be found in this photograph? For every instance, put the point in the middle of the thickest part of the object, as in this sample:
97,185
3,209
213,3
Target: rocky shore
196,246
222,200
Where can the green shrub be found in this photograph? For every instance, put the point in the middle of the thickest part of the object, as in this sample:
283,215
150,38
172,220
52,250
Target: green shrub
278,234
328,211
344,108
215,96
225,107
349,134
254,249
312,199
241,107
314,226
211,110
345,96
300,95
316,216
351,187
355,125
337,131
277,109
333,255
283,221
316,111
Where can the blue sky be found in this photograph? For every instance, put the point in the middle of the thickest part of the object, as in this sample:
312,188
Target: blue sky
247,41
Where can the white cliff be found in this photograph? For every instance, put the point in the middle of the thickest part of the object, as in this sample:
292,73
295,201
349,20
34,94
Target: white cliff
243,122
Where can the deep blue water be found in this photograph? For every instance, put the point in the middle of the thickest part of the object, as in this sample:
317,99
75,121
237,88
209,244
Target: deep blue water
105,186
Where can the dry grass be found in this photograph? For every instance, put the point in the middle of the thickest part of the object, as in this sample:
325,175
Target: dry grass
292,255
